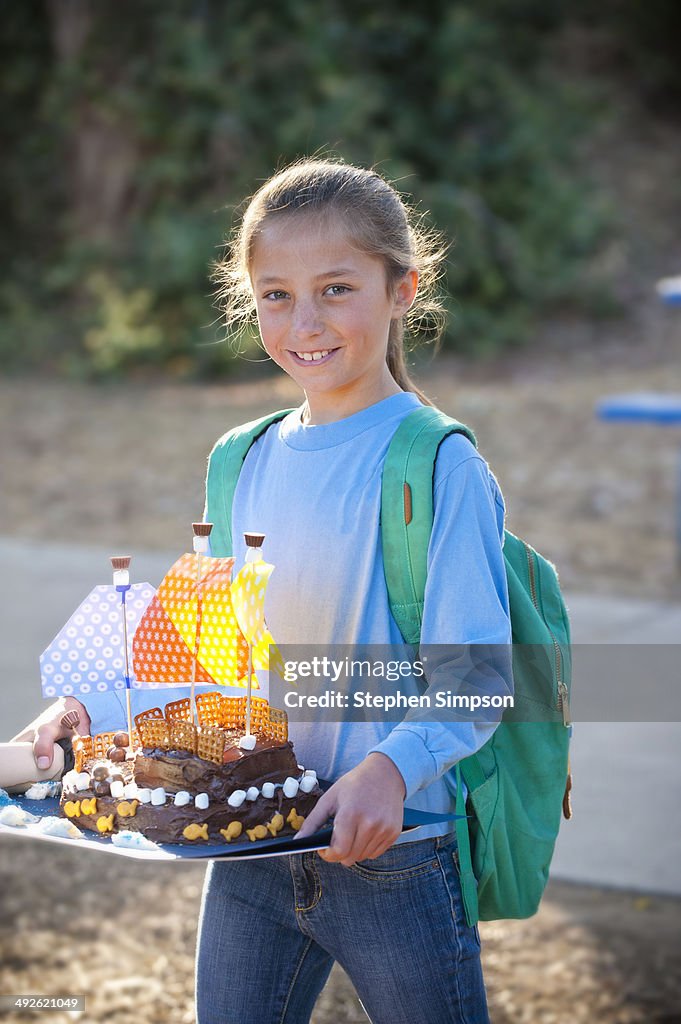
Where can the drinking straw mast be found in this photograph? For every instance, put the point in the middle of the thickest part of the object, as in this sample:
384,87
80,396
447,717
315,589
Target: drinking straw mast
121,581
201,544
254,543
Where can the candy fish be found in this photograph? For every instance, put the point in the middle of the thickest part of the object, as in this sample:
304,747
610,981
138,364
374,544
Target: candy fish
105,823
276,824
295,820
259,832
233,831
88,806
72,808
127,808
195,831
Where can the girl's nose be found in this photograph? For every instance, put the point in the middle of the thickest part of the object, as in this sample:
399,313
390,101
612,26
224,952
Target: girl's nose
307,322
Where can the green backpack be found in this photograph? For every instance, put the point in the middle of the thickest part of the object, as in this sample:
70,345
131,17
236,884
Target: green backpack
519,781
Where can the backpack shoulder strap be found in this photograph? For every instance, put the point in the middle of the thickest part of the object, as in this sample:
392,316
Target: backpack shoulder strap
224,466
407,511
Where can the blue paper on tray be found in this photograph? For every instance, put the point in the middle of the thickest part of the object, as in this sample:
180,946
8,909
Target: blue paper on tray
413,819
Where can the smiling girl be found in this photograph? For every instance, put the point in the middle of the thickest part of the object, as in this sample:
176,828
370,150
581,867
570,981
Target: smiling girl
334,266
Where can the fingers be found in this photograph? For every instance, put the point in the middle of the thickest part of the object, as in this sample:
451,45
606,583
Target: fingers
343,843
43,744
47,728
358,838
324,809
379,846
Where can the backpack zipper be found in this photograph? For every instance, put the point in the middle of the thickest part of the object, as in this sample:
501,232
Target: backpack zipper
563,695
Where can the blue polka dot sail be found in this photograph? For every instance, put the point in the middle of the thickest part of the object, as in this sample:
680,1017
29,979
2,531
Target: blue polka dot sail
87,655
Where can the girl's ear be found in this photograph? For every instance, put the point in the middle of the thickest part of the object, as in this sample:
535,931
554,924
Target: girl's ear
405,293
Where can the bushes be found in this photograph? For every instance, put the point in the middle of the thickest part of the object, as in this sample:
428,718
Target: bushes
134,136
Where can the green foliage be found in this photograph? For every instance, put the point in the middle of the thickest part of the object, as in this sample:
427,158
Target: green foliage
133,140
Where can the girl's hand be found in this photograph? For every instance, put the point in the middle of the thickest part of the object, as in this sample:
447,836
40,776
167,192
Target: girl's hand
46,729
366,805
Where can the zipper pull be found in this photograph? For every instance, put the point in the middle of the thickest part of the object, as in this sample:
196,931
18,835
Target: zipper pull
564,702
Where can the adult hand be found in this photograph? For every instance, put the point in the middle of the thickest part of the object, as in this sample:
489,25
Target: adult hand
367,806
47,728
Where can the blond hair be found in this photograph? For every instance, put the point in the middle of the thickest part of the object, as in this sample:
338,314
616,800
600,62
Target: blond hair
378,222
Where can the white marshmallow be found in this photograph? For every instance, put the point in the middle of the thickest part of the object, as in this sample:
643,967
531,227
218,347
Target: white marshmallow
252,793
307,784
83,781
158,796
268,790
236,798
201,545
130,790
117,789
144,795
182,798
201,801
290,787
311,772
70,780
247,742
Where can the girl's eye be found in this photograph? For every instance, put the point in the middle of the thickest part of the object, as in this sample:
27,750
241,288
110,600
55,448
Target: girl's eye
337,289
276,295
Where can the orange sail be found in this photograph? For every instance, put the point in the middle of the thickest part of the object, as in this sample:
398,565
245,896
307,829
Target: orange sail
184,623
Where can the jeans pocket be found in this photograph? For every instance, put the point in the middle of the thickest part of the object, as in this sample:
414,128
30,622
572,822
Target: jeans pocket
400,862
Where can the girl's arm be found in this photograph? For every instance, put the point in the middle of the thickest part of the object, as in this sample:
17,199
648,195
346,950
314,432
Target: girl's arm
465,622
466,602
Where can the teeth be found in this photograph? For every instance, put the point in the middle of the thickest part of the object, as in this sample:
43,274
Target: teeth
310,357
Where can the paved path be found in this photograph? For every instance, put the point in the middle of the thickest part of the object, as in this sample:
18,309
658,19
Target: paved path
626,829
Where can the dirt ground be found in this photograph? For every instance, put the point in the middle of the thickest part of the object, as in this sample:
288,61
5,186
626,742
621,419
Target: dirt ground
124,936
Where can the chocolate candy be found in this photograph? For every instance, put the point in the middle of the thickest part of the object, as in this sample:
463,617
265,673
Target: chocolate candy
121,739
116,754
102,788
99,771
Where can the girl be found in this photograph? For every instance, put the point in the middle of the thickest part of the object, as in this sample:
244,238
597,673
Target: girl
331,262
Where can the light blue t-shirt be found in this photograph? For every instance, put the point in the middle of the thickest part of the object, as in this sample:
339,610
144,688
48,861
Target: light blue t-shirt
315,492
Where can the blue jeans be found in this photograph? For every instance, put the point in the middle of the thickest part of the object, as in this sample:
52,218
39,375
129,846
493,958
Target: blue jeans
271,929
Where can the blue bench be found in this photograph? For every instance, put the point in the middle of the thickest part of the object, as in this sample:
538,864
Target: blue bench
647,407
669,290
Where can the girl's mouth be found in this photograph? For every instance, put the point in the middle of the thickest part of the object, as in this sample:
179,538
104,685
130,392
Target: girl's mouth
313,358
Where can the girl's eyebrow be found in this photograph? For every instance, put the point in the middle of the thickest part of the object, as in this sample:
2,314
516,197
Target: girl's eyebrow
334,272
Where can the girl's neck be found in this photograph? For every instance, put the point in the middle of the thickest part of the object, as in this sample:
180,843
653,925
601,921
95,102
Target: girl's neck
324,408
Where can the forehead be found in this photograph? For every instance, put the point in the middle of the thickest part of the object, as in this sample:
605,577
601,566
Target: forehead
300,244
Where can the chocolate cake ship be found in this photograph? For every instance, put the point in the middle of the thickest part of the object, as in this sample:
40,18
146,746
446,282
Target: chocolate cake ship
208,768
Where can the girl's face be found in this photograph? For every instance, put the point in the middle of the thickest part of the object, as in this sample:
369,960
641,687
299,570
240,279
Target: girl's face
324,313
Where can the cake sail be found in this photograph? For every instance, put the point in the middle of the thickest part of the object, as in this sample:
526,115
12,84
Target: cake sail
87,655
208,625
